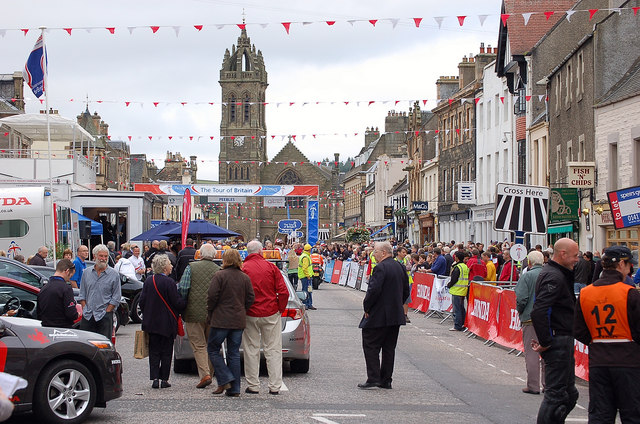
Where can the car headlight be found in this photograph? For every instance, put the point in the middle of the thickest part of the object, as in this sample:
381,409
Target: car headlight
102,344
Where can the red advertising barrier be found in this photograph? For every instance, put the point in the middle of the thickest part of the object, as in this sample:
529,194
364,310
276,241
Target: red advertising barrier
421,291
509,331
337,269
482,310
582,360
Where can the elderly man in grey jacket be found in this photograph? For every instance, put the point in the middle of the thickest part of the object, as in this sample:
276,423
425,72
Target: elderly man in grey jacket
525,291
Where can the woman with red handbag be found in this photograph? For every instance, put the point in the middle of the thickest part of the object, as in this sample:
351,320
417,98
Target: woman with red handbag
161,306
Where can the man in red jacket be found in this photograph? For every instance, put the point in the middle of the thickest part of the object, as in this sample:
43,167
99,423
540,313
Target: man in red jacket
263,320
477,267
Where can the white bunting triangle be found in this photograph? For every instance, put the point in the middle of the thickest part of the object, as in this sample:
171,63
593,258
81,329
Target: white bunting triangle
482,18
131,30
177,30
439,20
570,14
526,17
394,22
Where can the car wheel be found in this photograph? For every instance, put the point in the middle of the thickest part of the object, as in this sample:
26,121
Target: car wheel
136,312
183,366
116,321
65,393
300,365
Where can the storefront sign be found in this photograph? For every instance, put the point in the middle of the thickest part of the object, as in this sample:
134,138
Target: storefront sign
582,174
565,205
466,193
388,212
420,206
274,202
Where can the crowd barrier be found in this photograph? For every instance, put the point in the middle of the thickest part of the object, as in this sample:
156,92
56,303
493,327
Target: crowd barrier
492,315
491,310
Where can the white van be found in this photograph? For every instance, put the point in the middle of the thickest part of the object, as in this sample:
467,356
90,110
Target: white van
25,220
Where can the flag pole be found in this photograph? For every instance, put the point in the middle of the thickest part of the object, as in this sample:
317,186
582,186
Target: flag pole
46,102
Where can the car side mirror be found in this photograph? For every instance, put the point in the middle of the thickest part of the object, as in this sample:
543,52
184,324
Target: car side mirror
3,329
302,295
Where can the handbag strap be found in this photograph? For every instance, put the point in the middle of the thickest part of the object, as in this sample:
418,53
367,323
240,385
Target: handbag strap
165,302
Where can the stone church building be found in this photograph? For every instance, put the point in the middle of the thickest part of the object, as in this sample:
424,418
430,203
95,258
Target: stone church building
243,154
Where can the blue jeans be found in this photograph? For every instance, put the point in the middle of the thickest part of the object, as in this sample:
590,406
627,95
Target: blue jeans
228,372
560,395
459,313
306,282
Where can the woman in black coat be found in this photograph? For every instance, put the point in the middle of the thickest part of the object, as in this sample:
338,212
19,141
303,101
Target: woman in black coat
159,320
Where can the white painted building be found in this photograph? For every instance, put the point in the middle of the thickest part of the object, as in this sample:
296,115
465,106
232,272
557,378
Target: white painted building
495,129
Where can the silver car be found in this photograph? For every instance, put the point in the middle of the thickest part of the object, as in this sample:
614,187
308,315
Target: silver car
296,338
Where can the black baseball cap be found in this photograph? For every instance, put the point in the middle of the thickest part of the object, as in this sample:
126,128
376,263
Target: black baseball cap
620,253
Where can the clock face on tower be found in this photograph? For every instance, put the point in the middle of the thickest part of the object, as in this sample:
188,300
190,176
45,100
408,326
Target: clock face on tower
238,141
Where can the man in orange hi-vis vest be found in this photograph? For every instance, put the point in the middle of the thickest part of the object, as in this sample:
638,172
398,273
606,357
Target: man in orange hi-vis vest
607,318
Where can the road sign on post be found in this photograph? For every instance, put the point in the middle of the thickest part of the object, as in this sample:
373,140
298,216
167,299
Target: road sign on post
521,208
285,226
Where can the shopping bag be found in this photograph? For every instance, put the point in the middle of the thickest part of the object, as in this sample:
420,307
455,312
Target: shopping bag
141,345
180,327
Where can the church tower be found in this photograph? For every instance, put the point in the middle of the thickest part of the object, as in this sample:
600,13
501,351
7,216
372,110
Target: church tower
243,131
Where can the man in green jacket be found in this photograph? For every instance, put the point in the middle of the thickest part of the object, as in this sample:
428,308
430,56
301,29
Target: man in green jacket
525,294
194,288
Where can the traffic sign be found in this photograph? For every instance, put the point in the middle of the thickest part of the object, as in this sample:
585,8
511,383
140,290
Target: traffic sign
285,226
521,208
296,234
518,252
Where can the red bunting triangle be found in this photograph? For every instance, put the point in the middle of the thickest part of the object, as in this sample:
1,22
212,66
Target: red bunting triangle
112,30
424,102
170,137
211,137
272,137
156,104
331,22
183,103
129,137
527,98
476,100
198,27
127,103
417,21
291,103
450,101
548,14
150,137
592,12
371,102
458,131
68,30
417,132
635,10
502,99
242,26
25,30
504,18
294,137
461,20
373,21
190,137
155,29
286,26
346,103
6,134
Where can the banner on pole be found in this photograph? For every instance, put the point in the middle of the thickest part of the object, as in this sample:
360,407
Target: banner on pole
186,216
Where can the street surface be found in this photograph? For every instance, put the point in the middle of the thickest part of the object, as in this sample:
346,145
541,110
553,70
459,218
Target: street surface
440,376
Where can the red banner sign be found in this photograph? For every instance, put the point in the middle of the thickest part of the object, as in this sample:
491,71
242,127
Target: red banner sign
337,270
186,215
582,360
421,291
509,331
482,310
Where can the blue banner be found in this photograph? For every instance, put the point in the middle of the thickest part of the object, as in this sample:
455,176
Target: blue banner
312,220
328,271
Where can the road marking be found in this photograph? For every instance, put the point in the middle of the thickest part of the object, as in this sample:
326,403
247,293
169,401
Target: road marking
505,372
581,407
459,349
480,359
491,365
521,379
284,387
470,354
321,417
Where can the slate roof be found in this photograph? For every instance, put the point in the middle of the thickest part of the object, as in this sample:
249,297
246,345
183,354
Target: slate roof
628,86
291,153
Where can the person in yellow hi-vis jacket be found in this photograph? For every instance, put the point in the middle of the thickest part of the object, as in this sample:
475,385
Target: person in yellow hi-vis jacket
305,274
458,287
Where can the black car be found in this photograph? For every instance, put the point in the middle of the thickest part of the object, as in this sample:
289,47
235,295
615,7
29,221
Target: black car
69,372
18,271
119,318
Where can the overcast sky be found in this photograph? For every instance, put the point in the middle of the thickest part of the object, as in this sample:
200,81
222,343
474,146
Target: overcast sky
315,62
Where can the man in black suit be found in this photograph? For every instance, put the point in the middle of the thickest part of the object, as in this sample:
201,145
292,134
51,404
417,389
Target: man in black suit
383,316
185,256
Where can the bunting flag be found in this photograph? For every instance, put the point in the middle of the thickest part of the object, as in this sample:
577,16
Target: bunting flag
461,19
